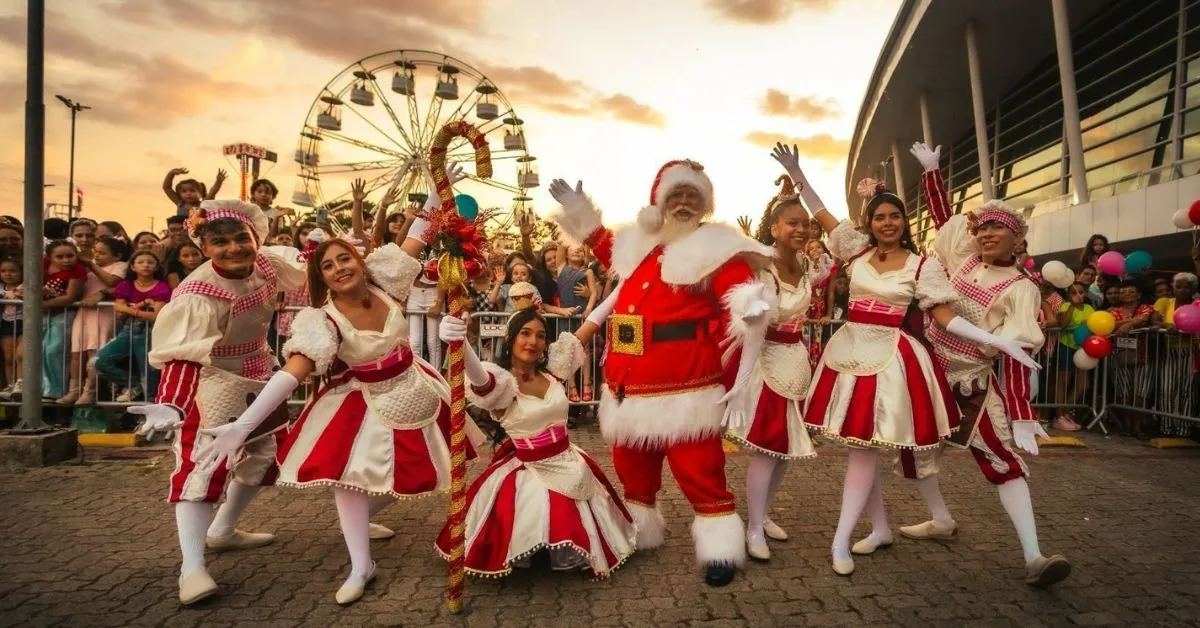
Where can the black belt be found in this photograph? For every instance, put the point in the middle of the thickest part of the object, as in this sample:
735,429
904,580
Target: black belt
676,330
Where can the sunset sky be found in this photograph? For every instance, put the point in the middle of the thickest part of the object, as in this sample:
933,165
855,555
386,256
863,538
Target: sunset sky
608,90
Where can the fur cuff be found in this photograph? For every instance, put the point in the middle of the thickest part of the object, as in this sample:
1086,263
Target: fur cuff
743,298
661,420
565,356
720,539
650,219
577,219
650,525
314,337
393,270
499,395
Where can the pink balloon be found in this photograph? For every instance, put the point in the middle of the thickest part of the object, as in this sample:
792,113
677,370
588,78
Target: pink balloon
1029,263
1187,318
1112,263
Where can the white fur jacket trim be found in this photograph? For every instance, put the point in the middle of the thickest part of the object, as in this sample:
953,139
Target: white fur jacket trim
393,270
503,391
314,337
692,258
565,356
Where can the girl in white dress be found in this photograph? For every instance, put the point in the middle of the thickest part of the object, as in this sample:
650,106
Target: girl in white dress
876,386
377,428
774,431
540,491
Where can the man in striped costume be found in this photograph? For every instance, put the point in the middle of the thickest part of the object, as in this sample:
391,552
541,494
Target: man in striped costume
210,341
993,391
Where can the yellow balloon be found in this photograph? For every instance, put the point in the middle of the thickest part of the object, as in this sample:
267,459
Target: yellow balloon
1101,323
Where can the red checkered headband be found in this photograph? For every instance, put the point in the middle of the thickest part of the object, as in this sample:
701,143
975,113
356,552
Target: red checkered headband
1003,214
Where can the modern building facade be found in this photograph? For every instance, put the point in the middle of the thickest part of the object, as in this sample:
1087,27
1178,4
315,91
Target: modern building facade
1083,113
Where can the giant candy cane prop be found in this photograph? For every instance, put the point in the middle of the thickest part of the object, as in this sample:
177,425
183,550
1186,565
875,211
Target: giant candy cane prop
459,255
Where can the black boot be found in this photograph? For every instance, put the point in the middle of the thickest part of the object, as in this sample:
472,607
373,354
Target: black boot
718,574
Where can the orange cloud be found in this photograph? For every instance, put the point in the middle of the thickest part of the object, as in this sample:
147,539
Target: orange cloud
536,86
811,108
764,11
822,146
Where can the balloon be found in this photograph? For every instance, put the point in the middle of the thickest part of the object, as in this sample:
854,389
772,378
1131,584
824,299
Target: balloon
1112,263
1101,323
1084,361
1194,212
467,207
1081,334
1181,220
1137,261
1187,318
1058,274
1097,346
1029,263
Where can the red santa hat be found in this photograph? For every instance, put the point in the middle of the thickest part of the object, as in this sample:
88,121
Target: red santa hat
672,175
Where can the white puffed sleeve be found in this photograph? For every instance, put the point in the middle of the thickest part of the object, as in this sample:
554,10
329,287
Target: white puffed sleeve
393,270
954,243
499,392
565,356
291,273
933,286
1021,304
846,242
315,337
186,329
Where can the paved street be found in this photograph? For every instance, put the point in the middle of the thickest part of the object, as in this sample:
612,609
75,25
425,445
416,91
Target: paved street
93,544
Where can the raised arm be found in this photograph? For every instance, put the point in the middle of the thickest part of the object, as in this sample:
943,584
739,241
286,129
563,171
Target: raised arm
789,158
168,185
931,182
358,192
216,186
580,220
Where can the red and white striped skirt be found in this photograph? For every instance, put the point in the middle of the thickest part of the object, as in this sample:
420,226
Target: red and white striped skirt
514,511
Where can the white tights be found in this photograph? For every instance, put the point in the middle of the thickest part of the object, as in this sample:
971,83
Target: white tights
191,522
763,478
354,514
1014,496
863,474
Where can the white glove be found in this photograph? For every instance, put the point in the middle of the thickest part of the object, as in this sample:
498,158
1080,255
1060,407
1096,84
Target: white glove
929,158
601,312
453,329
755,309
790,160
228,439
1017,350
738,397
159,417
561,191
1025,435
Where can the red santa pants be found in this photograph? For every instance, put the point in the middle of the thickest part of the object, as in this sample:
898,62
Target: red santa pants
698,467
255,467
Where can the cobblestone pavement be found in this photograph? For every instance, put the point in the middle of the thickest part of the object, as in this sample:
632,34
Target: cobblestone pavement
93,544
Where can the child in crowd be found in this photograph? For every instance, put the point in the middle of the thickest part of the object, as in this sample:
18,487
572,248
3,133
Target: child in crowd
137,298
11,277
1096,246
187,194
93,327
188,257
572,276
64,282
145,241
1072,314
1129,357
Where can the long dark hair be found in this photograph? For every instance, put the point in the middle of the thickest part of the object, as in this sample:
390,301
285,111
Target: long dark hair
1085,257
131,274
173,265
119,248
515,323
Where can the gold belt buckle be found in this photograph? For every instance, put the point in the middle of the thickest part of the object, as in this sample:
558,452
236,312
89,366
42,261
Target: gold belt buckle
627,334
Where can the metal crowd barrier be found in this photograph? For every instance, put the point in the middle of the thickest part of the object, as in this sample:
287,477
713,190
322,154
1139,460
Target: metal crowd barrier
1150,372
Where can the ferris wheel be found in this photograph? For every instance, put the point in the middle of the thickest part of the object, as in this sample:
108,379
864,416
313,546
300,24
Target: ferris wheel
377,118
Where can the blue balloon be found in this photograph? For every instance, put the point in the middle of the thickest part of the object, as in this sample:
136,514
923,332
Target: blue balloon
1080,334
467,207
1137,261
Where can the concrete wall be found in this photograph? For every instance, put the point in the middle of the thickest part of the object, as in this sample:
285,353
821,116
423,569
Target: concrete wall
1134,215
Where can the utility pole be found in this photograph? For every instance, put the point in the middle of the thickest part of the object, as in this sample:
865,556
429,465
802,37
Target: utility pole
35,176
75,108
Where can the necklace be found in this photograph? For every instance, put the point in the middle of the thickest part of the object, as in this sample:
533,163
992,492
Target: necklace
882,254
525,374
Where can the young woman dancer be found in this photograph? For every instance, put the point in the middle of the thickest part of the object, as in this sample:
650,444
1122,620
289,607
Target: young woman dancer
377,430
876,386
774,431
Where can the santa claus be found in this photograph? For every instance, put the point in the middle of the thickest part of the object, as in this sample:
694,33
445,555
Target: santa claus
686,285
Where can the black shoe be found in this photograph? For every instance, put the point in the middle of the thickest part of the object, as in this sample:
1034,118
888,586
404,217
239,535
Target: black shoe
718,574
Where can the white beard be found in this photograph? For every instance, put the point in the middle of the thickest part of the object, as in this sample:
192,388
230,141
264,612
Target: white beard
674,229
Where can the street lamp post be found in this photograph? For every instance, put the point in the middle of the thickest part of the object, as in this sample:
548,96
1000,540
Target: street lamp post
75,108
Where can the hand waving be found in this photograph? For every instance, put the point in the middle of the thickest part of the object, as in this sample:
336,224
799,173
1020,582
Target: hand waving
358,190
789,158
929,157
561,191
744,224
